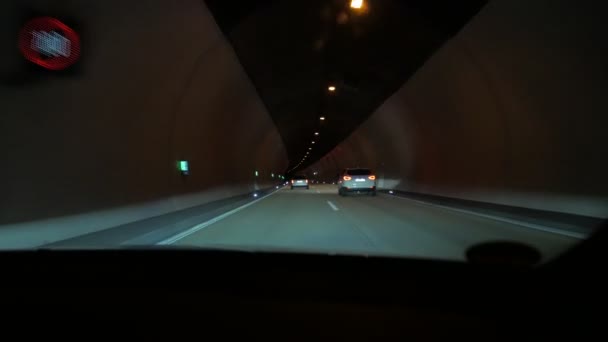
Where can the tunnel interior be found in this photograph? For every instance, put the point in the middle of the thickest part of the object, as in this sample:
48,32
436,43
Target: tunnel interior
294,52
501,113
493,102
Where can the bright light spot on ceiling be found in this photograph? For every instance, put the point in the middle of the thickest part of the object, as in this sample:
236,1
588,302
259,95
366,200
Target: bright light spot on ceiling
316,133
331,88
322,118
356,3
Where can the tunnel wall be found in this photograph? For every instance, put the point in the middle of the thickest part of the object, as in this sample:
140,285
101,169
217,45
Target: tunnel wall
511,111
98,146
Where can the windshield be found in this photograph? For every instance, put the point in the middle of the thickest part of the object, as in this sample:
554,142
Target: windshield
246,125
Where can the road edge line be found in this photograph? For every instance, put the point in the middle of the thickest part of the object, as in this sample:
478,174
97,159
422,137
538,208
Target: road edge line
216,219
498,218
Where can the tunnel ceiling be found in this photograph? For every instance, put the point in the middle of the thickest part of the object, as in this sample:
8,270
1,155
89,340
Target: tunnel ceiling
294,50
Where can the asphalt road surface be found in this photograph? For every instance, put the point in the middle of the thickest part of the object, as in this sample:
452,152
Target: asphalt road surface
318,220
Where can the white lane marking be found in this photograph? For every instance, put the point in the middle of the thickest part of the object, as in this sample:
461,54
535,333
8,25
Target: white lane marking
500,219
318,191
200,226
333,206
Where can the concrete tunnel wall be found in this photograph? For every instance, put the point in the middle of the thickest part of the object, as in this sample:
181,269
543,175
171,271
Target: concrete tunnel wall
98,147
512,111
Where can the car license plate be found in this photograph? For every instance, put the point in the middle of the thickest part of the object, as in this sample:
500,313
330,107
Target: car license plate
360,180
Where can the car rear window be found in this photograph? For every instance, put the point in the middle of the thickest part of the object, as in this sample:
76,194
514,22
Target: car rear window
359,172
299,177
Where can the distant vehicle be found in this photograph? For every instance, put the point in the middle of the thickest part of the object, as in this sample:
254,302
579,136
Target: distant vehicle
357,181
299,182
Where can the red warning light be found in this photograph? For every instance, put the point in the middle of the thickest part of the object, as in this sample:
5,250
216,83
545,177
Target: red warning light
49,43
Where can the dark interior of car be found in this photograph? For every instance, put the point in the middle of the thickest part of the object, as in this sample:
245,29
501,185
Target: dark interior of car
497,295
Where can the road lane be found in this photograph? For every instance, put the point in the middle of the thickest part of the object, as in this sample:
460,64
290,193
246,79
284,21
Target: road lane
304,220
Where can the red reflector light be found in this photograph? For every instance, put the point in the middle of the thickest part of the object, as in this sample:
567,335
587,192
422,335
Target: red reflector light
347,178
372,177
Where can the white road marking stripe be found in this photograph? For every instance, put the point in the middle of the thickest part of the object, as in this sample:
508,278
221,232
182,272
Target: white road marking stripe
318,191
333,206
501,219
200,226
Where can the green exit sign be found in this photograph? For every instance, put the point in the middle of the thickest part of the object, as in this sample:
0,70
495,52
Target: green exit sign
183,166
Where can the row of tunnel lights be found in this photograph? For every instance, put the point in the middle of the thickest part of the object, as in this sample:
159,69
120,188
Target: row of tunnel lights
356,4
316,134
184,168
183,164
257,174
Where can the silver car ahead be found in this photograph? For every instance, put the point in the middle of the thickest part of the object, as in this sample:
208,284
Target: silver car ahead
357,181
299,182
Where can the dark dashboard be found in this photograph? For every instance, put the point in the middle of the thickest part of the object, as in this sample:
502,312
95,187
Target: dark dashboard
292,296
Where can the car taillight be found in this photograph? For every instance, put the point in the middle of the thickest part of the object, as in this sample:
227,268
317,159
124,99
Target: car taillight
347,178
372,177
306,180
292,181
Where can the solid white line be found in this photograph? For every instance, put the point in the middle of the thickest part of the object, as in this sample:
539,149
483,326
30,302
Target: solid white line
500,219
200,226
333,206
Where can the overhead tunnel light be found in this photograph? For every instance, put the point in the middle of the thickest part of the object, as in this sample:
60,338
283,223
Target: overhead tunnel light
356,4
